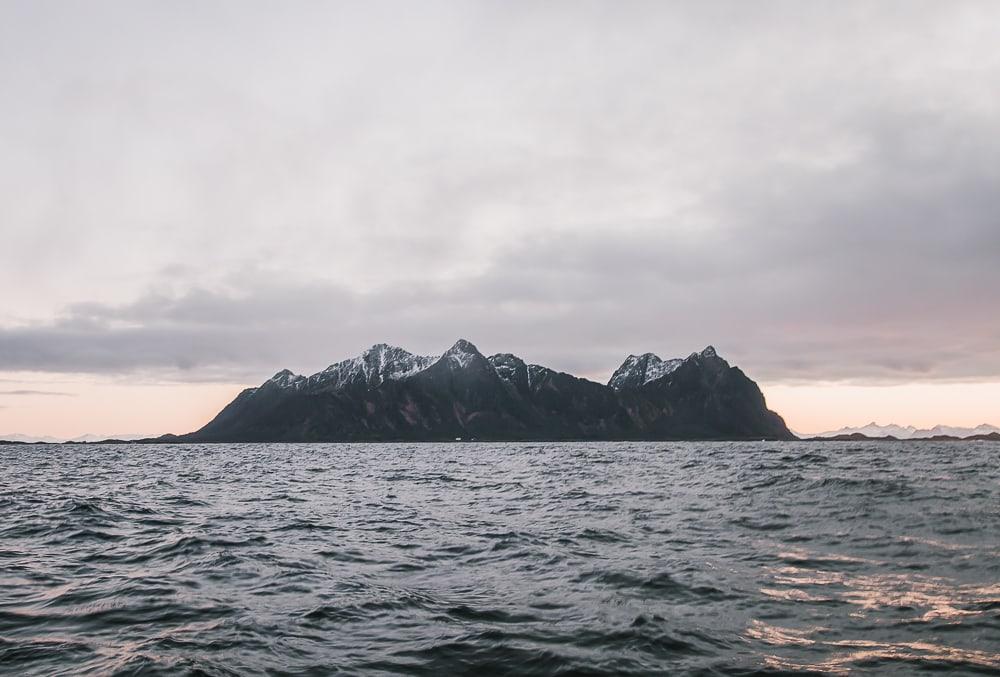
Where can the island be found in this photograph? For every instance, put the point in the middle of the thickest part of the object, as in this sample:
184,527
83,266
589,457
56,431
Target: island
390,394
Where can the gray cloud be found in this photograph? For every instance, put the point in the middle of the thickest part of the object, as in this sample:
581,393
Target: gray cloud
810,188
49,393
891,311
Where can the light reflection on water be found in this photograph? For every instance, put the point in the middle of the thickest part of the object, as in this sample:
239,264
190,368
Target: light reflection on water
521,559
912,597
938,597
844,655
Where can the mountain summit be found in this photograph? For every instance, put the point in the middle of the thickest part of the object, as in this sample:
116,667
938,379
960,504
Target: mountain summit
388,393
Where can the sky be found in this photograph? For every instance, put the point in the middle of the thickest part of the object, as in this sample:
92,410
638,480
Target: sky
196,194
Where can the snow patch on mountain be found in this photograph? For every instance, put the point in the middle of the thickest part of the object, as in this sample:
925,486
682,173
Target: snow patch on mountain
638,370
383,362
536,373
462,353
507,366
373,367
287,379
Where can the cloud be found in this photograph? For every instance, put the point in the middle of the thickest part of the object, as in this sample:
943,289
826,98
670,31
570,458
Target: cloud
811,189
50,393
857,298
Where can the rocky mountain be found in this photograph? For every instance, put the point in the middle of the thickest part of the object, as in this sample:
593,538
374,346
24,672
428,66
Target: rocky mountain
910,432
638,370
387,393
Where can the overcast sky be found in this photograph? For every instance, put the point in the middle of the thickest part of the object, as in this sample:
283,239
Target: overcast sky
205,192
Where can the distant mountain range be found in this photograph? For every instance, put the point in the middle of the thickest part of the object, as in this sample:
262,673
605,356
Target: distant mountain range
29,439
47,439
910,432
387,393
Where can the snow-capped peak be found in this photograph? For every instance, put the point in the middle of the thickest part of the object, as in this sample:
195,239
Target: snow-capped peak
462,346
287,379
462,353
508,366
639,370
374,366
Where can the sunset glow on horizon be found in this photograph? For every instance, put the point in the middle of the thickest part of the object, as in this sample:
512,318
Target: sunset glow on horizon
73,406
187,210
490,337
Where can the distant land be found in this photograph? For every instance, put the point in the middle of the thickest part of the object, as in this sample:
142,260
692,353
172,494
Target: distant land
15,438
861,437
390,394
874,430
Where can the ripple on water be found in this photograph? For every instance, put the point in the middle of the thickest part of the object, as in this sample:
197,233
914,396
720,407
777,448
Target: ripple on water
520,559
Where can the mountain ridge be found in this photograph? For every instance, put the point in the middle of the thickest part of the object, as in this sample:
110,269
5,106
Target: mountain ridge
18,438
388,393
909,432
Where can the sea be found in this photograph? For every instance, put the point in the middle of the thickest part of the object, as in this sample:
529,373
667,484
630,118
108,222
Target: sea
667,558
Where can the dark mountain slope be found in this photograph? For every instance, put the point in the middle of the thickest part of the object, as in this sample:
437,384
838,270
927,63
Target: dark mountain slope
704,397
390,394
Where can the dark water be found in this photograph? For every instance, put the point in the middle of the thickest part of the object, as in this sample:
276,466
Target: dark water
698,559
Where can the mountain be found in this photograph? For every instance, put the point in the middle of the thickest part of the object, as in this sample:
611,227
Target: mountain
638,370
388,393
29,439
855,437
910,432
953,431
124,437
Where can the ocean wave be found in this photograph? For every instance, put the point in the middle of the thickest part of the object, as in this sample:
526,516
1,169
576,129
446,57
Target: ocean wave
535,559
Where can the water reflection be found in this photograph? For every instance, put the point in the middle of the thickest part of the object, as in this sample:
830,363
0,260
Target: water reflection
847,654
541,559
870,602
936,597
